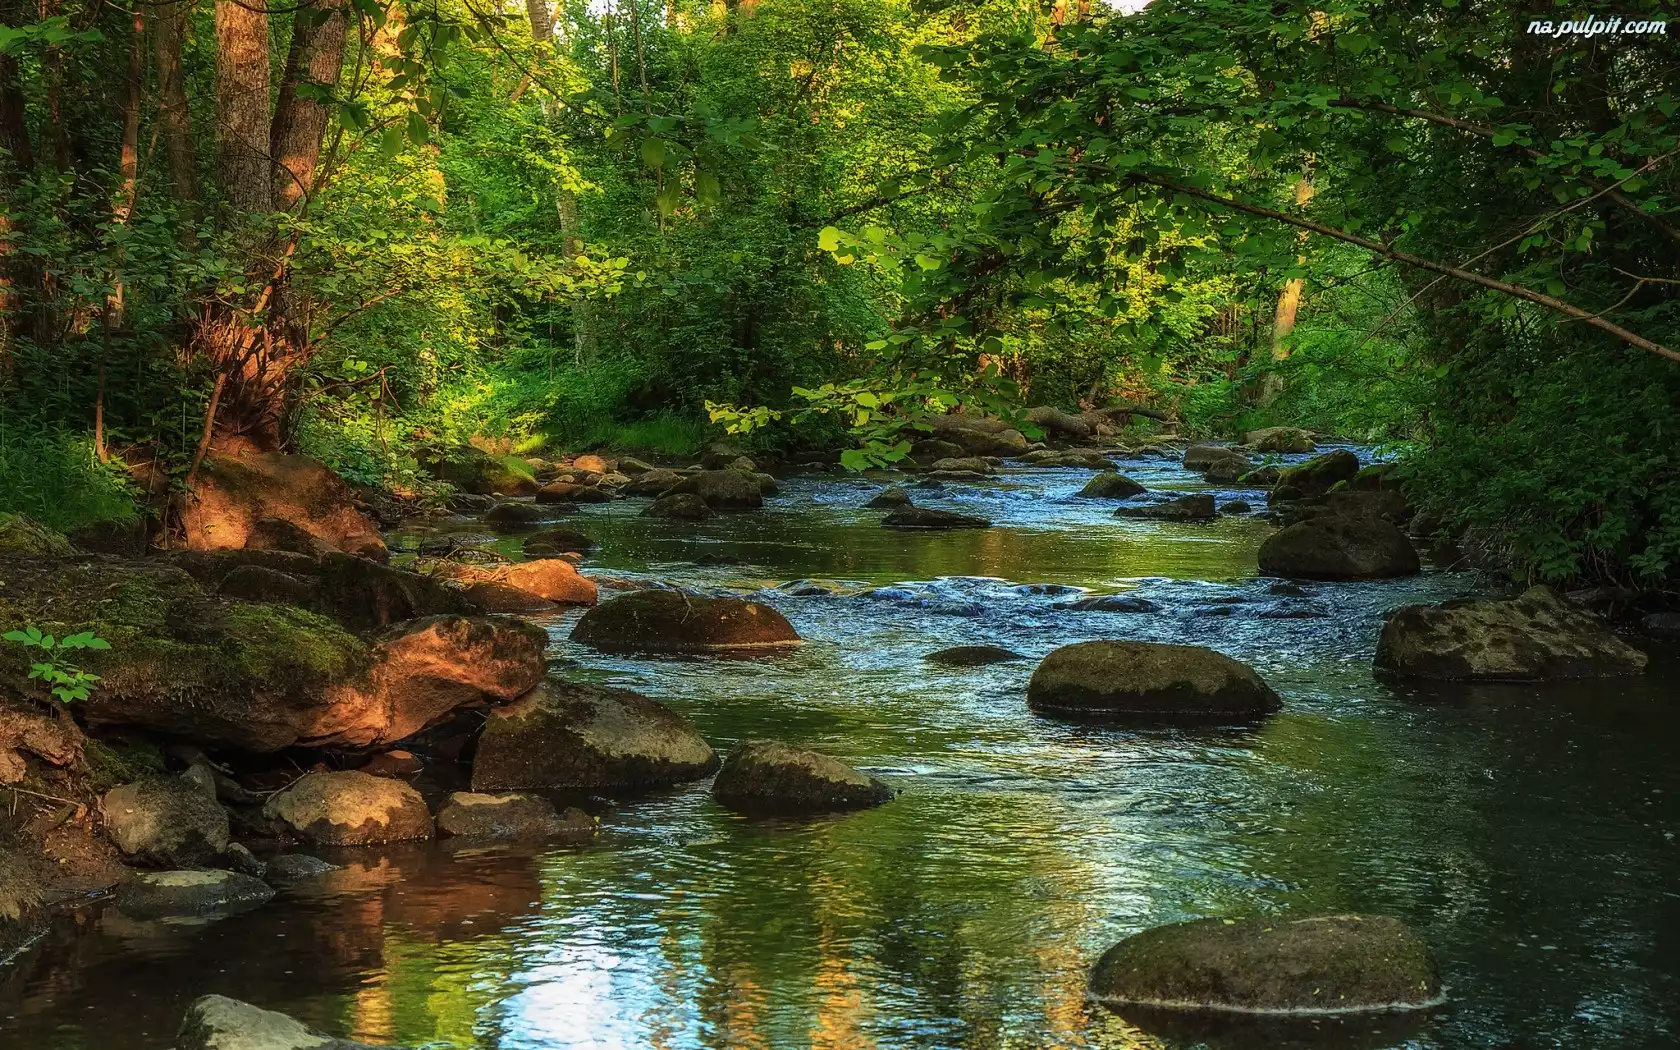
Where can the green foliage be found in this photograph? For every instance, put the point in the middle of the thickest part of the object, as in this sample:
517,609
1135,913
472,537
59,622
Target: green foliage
50,473
64,680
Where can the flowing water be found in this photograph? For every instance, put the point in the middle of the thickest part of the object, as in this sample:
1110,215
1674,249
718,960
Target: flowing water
1528,833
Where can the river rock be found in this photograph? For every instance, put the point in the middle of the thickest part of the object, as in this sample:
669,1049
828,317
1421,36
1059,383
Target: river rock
931,450
890,498
1327,964
488,596
549,579
1057,423
1195,507
1118,680
167,894
356,592
769,776
1110,485
979,435
1535,637
1662,625
1313,478
232,493
581,737
972,656
679,506
515,517
927,518
476,472
572,492
1111,603
1279,439
965,464
168,822
556,540
216,1022
350,808
297,867
672,621
722,489
1204,459
651,483
1334,547
521,818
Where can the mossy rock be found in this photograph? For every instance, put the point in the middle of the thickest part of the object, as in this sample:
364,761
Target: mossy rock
1326,964
1147,681
21,535
1336,547
772,777
1535,637
1316,476
671,621
1110,485
480,473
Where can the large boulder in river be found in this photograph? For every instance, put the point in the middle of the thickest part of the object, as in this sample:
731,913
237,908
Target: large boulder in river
549,579
913,517
1338,547
978,435
358,593
1325,964
1118,681
769,776
513,817
260,677
572,736
1314,478
350,808
1197,506
190,893
1279,439
563,492
890,498
679,506
672,621
556,540
169,822
652,482
233,494
722,489
1219,464
1110,485
216,1022
1535,637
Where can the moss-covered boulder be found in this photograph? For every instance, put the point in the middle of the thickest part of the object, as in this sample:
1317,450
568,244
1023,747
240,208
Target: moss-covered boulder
572,492
259,677
651,482
1228,462
965,464
1339,547
518,516
21,535
1147,681
772,777
1195,507
1535,637
679,506
722,489
511,818
478,472
168,822
1110,485
1326,964
1315,477
890,498
358,593
350,808
268,499
216,1022
556,540
978,435
571,736
1279,439
672,621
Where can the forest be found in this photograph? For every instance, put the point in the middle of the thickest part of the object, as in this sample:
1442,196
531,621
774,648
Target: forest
839,524
368,231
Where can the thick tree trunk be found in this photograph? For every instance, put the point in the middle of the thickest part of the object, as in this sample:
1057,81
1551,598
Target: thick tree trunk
17,160
316,59
169,22
242,163
1289,302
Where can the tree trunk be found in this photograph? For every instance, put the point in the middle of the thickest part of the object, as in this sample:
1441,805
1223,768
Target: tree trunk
169,22
242,163
1289,302
316,59
17,160
565,204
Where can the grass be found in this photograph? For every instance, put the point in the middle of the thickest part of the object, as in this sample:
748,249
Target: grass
662,435
51,474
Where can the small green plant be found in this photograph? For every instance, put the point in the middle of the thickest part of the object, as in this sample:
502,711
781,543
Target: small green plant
67,681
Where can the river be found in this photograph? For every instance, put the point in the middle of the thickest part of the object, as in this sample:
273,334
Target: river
1528,833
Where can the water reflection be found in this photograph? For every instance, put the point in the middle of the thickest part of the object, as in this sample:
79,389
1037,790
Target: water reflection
1528,834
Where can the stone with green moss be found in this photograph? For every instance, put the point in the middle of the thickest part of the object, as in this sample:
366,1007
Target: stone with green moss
21,535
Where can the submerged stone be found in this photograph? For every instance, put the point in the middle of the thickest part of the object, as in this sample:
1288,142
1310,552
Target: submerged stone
679,506
216,1022
925,518
184,894
1123,680
972,656
1110,485
1197,507
889,498
1327,964
515,817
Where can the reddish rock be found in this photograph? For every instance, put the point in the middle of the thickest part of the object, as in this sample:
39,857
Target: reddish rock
270,499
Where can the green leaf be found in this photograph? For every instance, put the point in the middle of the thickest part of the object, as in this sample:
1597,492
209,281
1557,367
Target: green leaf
828,239
653,152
